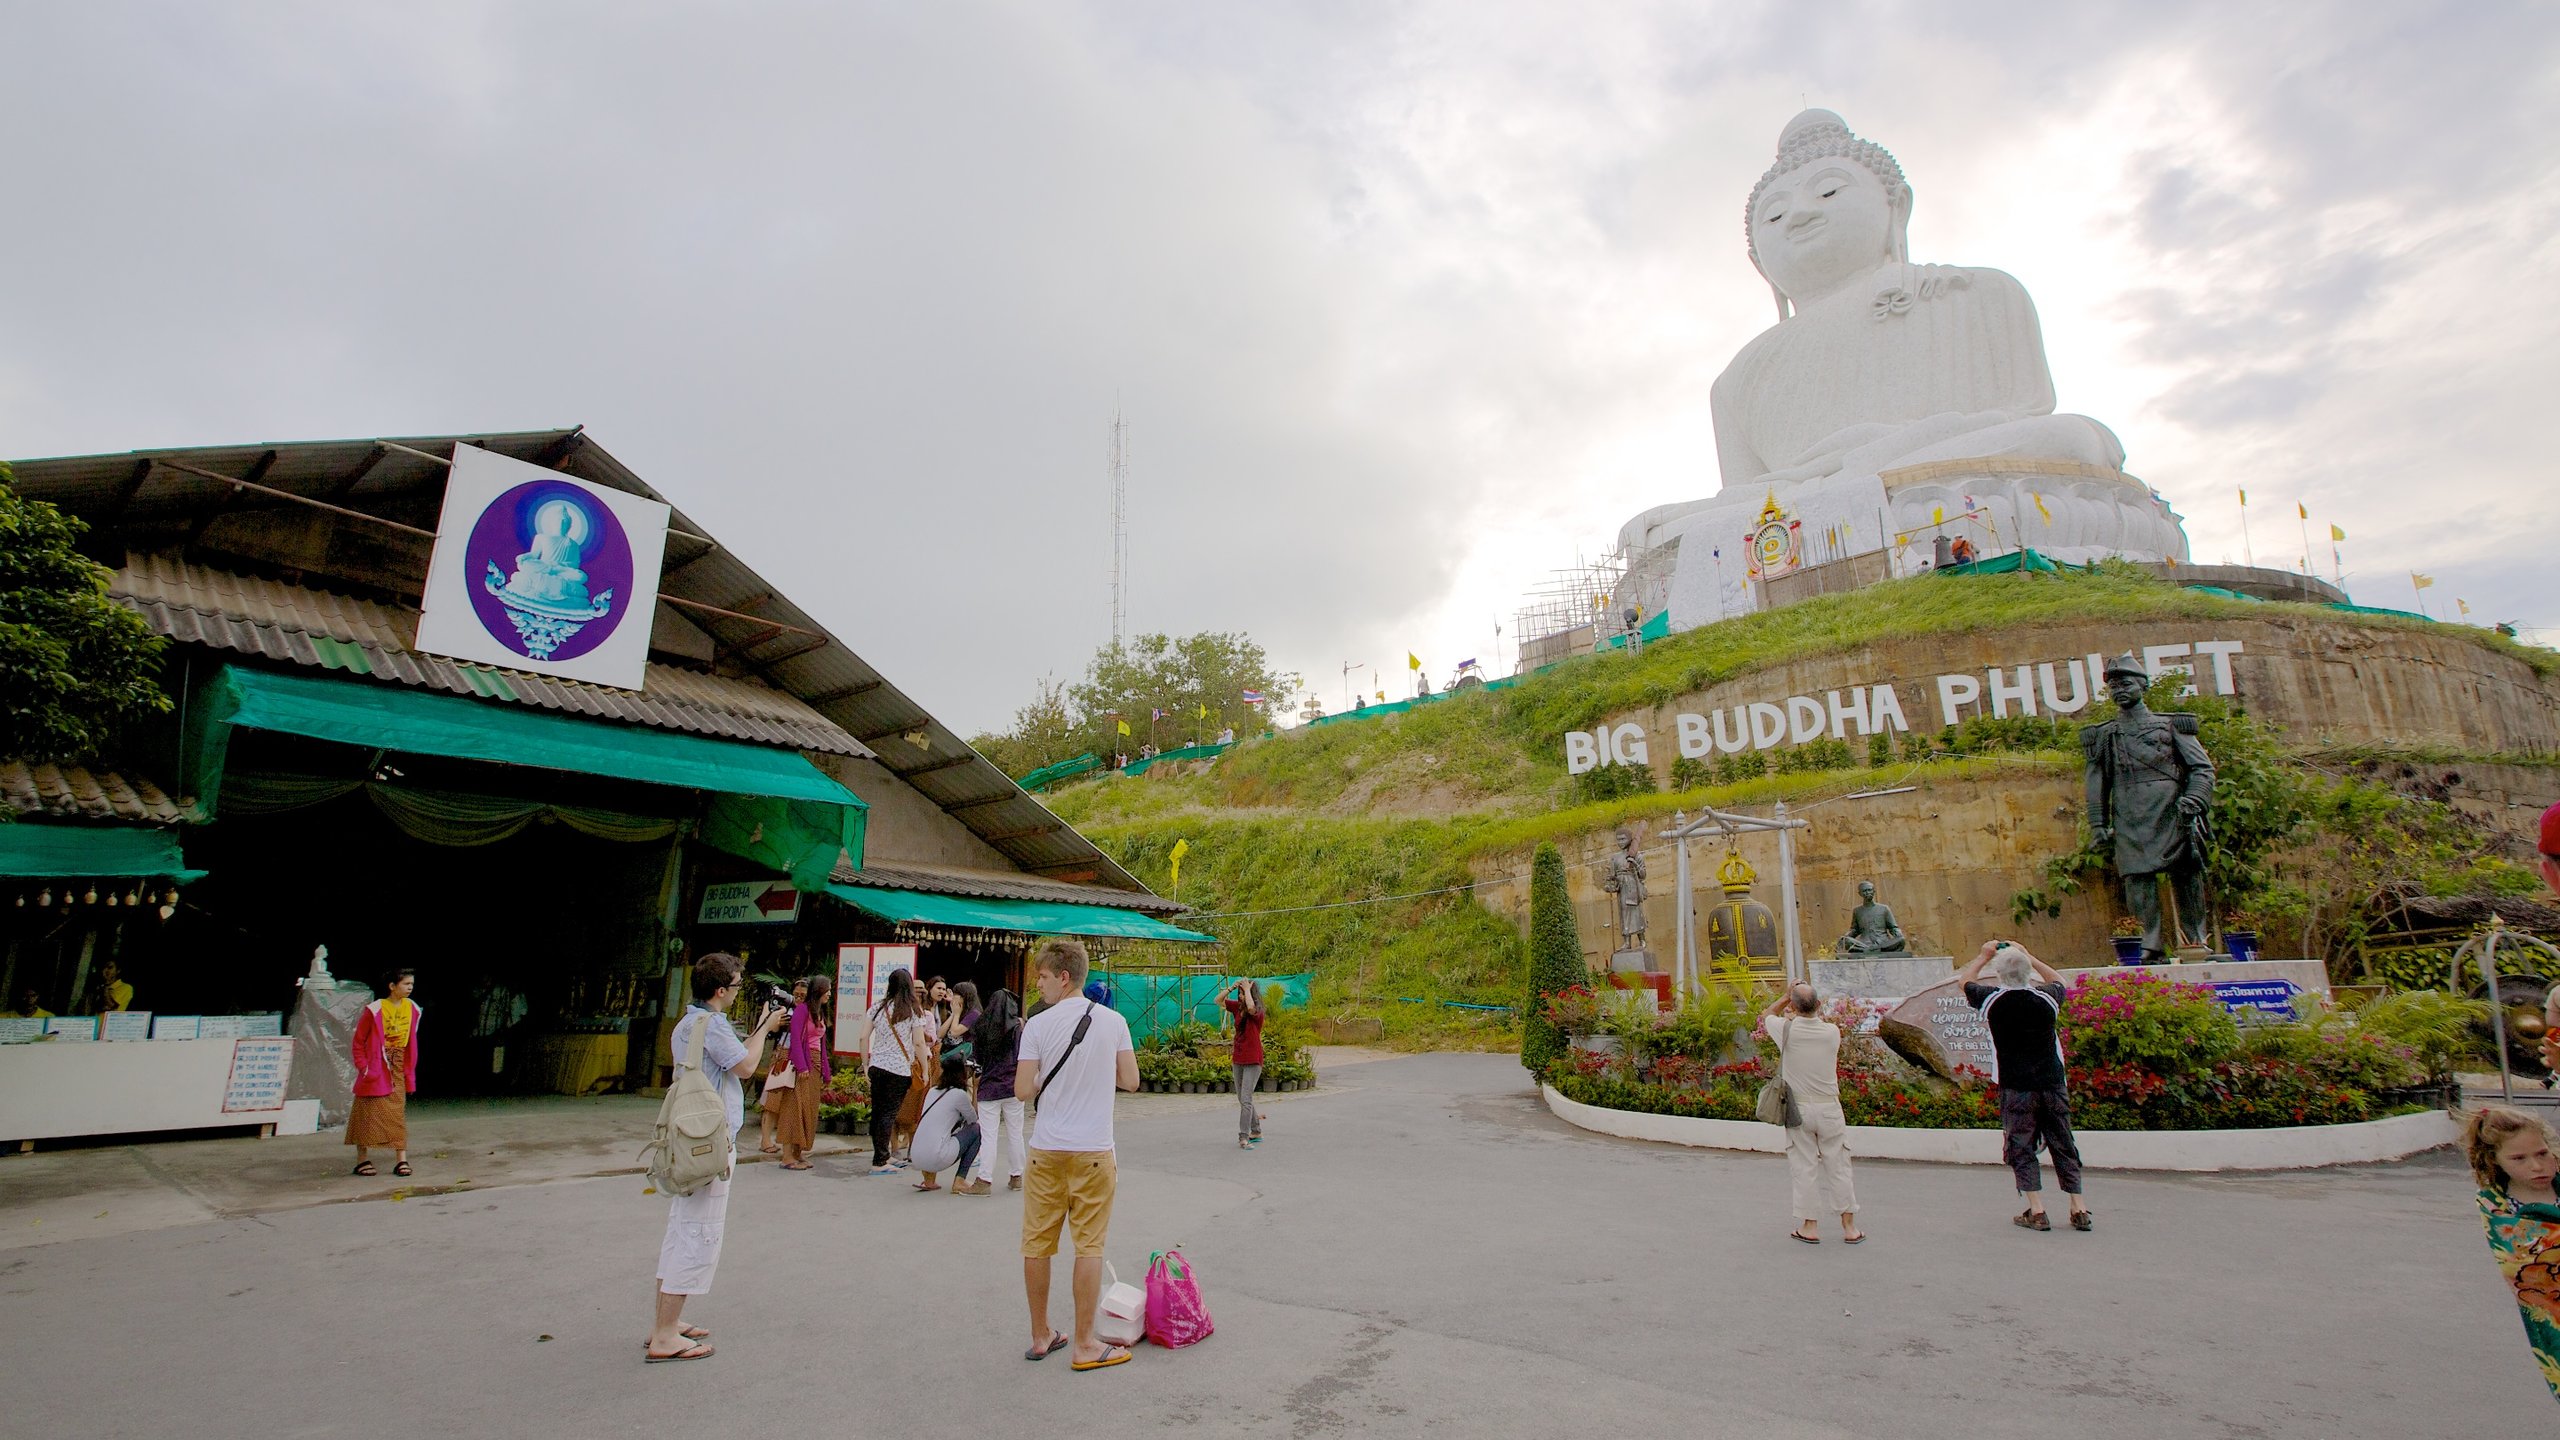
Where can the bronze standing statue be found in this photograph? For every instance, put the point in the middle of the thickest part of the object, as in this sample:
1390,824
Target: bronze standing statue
2150,785
1626,881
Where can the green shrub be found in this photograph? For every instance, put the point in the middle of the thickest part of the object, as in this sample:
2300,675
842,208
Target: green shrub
1734,769
2164,1026
2440,1029
1880,749
1555,955
1692,773
1612,782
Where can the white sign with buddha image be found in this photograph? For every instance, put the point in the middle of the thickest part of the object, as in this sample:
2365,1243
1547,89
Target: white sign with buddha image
534,570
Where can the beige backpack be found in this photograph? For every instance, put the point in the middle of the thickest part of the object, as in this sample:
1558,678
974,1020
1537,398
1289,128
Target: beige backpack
691,1146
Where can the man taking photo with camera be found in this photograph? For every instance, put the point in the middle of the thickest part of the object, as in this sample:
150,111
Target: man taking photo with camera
1074,1054
695,1222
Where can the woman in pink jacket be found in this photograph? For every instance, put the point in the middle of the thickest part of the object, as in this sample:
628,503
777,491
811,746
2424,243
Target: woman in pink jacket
386,1056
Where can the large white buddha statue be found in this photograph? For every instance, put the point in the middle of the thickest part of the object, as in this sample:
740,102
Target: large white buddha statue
1892,402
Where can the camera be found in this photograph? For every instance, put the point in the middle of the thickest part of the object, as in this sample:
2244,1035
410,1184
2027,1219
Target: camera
777,997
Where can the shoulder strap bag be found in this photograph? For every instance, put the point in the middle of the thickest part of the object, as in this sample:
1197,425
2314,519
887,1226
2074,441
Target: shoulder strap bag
1073,1041
1776,1102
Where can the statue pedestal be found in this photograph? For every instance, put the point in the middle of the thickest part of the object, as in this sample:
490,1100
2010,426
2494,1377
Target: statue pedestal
2192,955
1631,962
1653,986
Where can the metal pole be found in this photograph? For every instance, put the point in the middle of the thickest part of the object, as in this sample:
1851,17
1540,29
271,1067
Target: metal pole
2485,947
1787,893
1683,958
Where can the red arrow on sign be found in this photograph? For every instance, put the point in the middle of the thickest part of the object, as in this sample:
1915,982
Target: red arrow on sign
777,899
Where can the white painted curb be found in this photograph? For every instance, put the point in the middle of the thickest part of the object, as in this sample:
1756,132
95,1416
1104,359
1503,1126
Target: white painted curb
2292,1147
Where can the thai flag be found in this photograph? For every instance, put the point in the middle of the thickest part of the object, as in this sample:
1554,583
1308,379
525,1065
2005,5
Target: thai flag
1253,697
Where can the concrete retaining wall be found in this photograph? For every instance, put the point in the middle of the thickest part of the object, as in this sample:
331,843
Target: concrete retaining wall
2297,1147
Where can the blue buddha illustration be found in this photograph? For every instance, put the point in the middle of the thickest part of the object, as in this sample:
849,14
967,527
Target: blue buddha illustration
547,595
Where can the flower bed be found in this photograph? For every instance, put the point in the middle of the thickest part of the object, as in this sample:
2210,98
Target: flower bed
2142,1053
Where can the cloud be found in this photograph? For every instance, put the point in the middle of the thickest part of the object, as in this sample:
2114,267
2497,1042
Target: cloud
1404,305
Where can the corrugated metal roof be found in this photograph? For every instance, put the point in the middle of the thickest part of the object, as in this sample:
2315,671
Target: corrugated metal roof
204,606
988,885
142,500
69,790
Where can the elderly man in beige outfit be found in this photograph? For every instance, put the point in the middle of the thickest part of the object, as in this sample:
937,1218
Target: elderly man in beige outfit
1818,1143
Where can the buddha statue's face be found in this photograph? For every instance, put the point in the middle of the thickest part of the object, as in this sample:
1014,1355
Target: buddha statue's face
1821,225
1867,891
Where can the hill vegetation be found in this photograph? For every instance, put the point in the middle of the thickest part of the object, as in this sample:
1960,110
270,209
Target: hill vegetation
1346,848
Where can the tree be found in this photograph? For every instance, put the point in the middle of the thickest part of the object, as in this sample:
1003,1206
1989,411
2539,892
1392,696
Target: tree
76,668
1555,956
1044,732
1208,671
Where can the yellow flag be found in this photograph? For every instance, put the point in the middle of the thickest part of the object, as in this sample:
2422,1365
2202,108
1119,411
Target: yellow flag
2047,514
1204,710
2301,509
1412,661
1180,849
2465,604
2244,497
1124,728
1937,514
2421,581
2336,534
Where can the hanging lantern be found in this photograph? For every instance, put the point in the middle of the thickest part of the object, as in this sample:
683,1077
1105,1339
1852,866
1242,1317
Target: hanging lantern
167,910
169,897
111,899
44,898
22,899
133,896
91,897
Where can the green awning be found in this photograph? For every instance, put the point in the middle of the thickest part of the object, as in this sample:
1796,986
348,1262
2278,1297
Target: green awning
36,849
788,812
1038,917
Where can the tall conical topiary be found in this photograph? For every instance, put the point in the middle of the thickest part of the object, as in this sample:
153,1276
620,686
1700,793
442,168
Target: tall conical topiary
1555,956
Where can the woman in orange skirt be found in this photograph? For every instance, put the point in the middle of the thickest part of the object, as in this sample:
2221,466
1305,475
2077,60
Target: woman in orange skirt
811,1069
386,1056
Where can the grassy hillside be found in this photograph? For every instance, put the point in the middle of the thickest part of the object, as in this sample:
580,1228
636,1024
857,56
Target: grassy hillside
1401,805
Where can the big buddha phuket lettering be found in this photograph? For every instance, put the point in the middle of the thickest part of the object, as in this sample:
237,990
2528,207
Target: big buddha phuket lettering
2045,687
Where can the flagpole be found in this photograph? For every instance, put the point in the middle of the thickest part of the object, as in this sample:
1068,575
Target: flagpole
2247,555
2300,509
2420,591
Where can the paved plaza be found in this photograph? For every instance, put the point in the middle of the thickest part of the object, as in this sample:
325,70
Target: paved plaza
1419,1248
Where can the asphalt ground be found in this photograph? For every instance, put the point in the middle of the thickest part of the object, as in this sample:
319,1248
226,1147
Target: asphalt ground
1418,1248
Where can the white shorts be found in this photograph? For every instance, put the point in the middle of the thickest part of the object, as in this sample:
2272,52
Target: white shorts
690,1254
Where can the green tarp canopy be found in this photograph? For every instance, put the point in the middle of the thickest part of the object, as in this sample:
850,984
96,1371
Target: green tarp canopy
36,849
1187,752
1657,628
768,804
1038,917
1063,770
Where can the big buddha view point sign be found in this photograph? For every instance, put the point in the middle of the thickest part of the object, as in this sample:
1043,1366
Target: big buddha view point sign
534,570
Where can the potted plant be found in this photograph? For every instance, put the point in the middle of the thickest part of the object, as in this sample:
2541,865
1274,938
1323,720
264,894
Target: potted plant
1576,1012
2128,941
2240,935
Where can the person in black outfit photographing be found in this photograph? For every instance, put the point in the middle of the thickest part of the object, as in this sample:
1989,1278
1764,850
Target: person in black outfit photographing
2021,1008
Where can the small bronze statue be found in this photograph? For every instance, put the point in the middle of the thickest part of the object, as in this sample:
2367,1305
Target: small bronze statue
1626,881
1871,928
2150,786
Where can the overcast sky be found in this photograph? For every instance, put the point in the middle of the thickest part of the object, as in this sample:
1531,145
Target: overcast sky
1405,305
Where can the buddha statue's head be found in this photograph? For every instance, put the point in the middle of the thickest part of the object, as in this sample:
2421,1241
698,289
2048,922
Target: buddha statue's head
1830,208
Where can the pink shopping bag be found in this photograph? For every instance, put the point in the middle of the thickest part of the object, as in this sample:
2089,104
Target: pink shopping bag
1176,1315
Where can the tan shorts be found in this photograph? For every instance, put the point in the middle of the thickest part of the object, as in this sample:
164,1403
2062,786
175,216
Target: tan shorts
1072,1188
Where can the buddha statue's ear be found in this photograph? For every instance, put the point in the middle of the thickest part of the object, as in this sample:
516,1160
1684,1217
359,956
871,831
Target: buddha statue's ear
1897,226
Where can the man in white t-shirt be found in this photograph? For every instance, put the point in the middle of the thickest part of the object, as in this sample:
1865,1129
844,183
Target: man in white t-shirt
1074,1054
1818,1141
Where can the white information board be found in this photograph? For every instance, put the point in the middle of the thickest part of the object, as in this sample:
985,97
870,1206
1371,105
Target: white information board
258,1067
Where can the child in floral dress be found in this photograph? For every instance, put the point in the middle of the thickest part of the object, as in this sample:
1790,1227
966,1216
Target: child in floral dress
2511,1157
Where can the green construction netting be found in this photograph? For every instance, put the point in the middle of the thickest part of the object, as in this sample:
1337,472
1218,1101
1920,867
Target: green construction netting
1153,1004
1038,917
1063,770
1657,628
2035,561
36,848
1398,707
767,804
1187,752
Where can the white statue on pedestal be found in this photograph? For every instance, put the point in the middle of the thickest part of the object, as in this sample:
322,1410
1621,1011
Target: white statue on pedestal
1891,402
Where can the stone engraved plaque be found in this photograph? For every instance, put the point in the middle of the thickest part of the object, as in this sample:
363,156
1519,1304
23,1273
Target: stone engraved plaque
1936,1028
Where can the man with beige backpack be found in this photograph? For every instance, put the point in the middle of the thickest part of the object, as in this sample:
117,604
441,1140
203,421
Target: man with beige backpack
1808,1090
696,1147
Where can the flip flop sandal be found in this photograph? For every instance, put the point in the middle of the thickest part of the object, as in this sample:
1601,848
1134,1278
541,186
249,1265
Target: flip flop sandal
771,1149
1858,1239
690,1332
1113,1356
1808,1239
922,1186
402,1169
1057,1342
804,1165
364,1167
690,1352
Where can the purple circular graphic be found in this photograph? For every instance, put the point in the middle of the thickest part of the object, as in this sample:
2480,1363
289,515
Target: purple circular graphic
549,570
